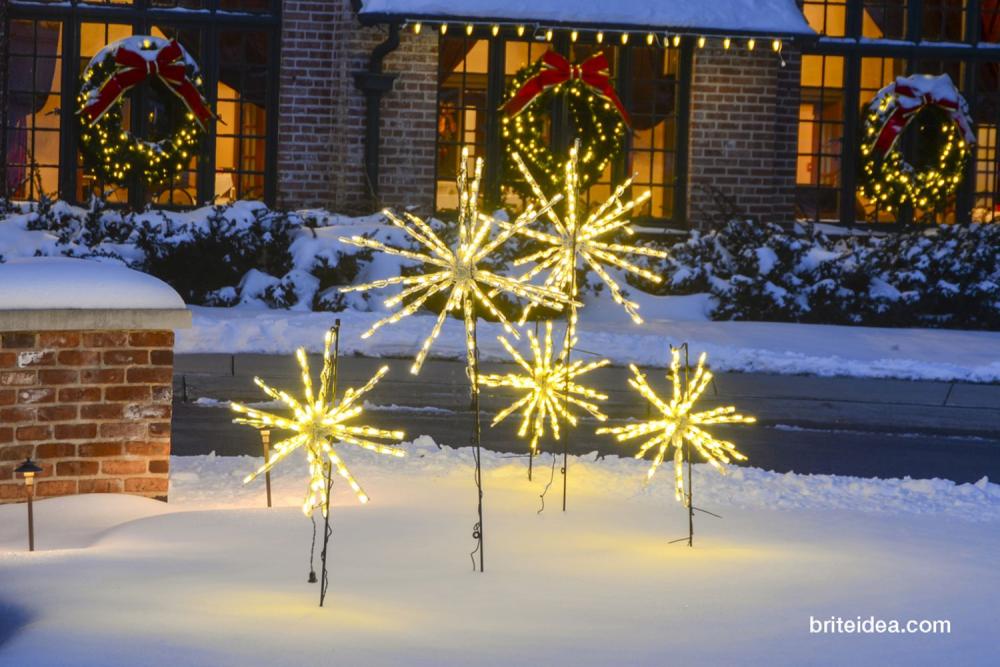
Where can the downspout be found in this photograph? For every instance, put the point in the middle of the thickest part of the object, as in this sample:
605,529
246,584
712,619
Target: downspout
375,83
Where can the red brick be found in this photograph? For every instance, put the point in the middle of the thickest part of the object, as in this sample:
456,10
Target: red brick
99,449
79,394
104,338
159,466
34,432
162,357
13,492
55,487
55,450
79,358
159,429
61,376
162,393
6,435
15,339
18,378
147,412
58,339
123,467
57,413
36,396
151,339
7,472
76,431
150,375
76,468
101,486
101,411
7,396
148,448
102,376
113,430
16,452
127,392
125,357
146,485
33,358
19,414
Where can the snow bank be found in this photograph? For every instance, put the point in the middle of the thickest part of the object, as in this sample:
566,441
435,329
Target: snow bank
62,282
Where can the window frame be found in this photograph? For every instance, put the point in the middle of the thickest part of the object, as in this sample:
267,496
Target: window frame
496,90
912,50
211,20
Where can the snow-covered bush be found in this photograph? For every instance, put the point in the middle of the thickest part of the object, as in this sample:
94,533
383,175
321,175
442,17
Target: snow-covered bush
946,276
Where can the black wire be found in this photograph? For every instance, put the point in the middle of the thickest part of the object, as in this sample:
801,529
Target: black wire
312,550
552,476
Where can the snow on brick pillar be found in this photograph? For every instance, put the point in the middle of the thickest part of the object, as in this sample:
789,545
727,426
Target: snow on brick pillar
321,126
744,120
86,368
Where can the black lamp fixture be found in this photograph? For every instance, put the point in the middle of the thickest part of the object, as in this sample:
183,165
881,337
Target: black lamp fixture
28,470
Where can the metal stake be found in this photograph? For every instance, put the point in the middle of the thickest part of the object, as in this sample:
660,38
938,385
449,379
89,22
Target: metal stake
477,529
265,439
31,519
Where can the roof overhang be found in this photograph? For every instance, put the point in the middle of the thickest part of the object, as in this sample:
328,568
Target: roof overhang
772,18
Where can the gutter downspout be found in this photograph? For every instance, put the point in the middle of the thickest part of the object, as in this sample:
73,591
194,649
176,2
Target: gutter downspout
375,83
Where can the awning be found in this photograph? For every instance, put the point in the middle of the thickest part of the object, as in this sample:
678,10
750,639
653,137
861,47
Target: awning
778,18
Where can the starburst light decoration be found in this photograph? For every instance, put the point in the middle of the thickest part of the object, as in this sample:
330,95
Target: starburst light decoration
678,423
458,270
318,423
550,387
581,237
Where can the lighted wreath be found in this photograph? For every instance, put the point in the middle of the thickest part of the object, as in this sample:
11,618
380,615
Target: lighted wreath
943,149
598,118
114,153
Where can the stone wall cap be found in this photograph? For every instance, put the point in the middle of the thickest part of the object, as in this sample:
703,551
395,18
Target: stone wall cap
95,319
62,283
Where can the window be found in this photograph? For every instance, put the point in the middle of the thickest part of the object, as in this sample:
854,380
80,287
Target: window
839,77
470,95
232,41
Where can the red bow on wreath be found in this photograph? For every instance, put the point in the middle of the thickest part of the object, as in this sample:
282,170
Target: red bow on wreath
594,71
134,68
914,94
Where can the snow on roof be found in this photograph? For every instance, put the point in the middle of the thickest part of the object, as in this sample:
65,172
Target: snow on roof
40,283
771,17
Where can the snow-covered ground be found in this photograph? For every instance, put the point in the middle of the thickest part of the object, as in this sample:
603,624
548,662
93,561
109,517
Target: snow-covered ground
762,347
214,578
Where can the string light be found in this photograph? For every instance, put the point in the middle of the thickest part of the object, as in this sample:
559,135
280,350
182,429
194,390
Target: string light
677,423
726,43
573,36
624,38
584,239
701,42
495,30
520,31
444,28
416,28
677,40
650,38
319,422
600,37
468,29
548,35
776,45
751,43
549,386
457,271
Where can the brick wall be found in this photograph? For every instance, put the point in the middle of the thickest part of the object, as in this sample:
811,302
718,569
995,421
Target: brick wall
744,113
322,113
91,407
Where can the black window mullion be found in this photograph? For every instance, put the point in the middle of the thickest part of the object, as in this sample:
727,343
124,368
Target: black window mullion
623,83
271,96
681,157
849,145
494,98
69,89
966,196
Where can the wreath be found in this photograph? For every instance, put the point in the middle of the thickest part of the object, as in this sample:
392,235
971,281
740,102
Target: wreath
114,153
597,116
944,146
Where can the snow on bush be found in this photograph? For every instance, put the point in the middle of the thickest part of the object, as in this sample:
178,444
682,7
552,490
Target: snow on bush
245,253
942,276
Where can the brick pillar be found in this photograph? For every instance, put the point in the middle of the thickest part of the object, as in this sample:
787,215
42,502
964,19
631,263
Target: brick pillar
321,127
744,119
91,407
